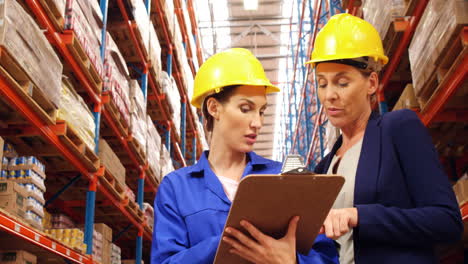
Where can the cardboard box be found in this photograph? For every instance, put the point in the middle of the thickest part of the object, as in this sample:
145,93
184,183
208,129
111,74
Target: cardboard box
27,44
105,231
407,99
111,162
17,257
106,251
461,191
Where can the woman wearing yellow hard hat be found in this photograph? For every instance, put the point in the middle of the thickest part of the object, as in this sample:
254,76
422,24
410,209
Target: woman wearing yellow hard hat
397,203
192,203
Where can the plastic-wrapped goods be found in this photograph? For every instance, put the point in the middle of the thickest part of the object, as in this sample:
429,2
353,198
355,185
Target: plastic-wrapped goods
84,17
116,79
153,147
74,110
381,18
168,14
201,132
142,21
139,130
154,52
61,221
165,162
116,255
111,162
149,213
137,99
28,46
436,29
169,87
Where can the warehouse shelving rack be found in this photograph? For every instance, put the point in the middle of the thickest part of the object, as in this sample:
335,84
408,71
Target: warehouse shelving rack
62,41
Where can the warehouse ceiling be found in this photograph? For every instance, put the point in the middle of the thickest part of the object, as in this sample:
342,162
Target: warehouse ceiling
265,31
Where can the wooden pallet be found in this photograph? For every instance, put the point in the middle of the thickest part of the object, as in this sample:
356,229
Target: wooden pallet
151,175
133,208
138,149
79,54
20,82
123,39
115,115
448,61
114,187
54,13
70,138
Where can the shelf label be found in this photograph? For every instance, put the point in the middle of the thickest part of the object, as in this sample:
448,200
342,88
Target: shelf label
17,228
68,252
36,237
81,258
54,245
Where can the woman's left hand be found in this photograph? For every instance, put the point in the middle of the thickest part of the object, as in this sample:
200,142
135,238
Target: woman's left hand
265,250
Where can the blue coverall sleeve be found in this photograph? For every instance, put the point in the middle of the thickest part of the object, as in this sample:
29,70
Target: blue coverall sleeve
323,252
435,217
170,237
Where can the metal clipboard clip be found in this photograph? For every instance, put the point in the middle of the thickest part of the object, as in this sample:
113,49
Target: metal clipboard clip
294,165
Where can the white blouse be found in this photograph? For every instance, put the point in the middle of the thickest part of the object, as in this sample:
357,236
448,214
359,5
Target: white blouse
347,168
229,186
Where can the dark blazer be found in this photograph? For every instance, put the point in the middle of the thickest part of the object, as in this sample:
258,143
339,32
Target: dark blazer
404,199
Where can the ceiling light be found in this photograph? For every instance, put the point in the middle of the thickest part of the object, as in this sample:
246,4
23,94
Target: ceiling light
250,4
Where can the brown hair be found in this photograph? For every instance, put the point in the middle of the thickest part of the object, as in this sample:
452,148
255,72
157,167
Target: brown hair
223,96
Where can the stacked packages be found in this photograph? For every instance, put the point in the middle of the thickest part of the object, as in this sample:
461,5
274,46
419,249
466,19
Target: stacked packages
438,27
77,114
153,148
84,17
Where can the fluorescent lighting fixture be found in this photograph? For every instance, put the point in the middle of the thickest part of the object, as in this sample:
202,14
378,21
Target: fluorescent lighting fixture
250,4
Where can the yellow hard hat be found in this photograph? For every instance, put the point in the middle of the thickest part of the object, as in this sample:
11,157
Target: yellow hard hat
347,37
234,66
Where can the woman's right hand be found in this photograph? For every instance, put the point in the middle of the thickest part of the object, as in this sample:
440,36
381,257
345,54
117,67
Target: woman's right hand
339,222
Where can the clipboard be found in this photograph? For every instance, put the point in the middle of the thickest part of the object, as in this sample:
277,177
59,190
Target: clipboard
270,201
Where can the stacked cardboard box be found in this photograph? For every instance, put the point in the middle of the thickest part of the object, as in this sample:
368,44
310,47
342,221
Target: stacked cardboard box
165,162
168,14
154,53
85,19
27,44
17,257
437,29
74,110
407,99
153,148
381,18
29,174
106,233
13,198
116,254
169,87
138,114
116,79
111,162
142,22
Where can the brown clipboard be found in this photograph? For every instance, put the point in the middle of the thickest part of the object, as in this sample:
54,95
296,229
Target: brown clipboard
270,201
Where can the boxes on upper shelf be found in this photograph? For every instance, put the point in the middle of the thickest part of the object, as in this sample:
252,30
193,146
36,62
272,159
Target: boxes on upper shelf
116,79
28,47
153,148
13,198
116,255
85,19
154,53
439,26
111,162
165,162
76,113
